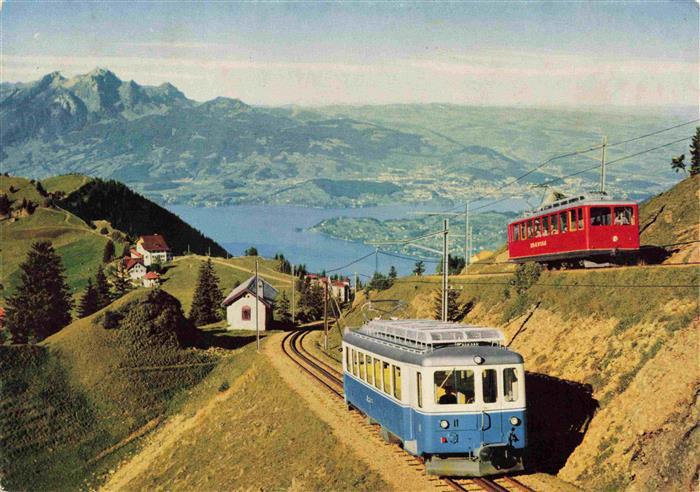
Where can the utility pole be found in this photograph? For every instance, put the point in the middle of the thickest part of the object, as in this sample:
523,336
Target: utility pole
471,242
466,236
257,319
376,260
294,287
325,314
356,280
602,165
445,268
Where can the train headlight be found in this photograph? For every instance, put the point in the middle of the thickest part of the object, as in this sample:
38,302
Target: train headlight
514,421
444,424
478,359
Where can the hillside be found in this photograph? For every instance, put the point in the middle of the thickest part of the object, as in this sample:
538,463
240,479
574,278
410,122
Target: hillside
611,354
671,218
79,245
135,215
224,151
73,402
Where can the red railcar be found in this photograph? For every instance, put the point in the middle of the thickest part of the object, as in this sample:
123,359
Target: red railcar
587,227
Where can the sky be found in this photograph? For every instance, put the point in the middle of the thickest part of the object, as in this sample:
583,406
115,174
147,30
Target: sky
569,54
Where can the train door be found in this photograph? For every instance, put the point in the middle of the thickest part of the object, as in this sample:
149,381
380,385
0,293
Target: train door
491,428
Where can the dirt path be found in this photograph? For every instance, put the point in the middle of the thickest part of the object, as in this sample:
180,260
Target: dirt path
387,460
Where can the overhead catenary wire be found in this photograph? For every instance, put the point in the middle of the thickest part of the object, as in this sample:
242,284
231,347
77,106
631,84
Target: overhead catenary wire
572,154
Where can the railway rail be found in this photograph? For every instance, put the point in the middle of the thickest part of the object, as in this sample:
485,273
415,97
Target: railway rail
331,378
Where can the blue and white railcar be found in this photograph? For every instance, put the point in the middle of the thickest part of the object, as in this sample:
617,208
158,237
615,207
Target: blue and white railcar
450,393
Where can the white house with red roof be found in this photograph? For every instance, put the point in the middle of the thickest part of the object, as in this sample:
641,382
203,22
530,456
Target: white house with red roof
151,279
341,289
133,267
153,249
240,305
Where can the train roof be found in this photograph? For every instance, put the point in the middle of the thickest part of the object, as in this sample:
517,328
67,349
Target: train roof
591,198
432,343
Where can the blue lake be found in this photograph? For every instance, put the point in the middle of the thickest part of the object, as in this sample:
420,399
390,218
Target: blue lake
279,228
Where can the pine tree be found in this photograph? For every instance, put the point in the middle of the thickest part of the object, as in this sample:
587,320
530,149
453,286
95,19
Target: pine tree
121,284
102,288
89,302
206,304
392,273
419,269
108,252
282,306
41,306
454,309
695,153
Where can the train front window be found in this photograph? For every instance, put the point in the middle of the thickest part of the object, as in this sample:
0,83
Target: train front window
455,386
510,384
489,385
516,233
600,216
624,216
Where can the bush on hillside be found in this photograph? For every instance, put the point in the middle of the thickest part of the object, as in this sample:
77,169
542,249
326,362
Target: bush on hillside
155,320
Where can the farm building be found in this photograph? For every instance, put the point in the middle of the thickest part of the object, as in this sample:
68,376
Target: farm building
134,268
151,279
240,305
153,249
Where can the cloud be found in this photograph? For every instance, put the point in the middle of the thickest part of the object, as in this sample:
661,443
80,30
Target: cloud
500,78
36,35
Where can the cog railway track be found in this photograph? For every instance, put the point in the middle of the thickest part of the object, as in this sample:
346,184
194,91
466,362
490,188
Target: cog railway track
331,378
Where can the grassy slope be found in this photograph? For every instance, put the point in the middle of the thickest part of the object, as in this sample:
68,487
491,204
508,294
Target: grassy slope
244,438
181,279
80,246
67,183
81,392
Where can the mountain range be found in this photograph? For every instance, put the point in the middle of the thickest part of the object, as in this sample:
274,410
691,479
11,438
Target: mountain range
224,151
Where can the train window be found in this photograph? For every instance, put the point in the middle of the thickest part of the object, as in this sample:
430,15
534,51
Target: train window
510,384
387,377
355,366
580,219
378,374
516,233
564,221
489,385
555,224
523,234
370,371
397,381
362,373
600,216
348,366
572,220
454,386
536,229
624,216
545,226
419,387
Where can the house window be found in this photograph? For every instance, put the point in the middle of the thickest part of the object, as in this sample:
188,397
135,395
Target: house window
245,313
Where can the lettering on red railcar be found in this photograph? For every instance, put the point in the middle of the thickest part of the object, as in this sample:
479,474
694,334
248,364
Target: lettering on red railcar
538,244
